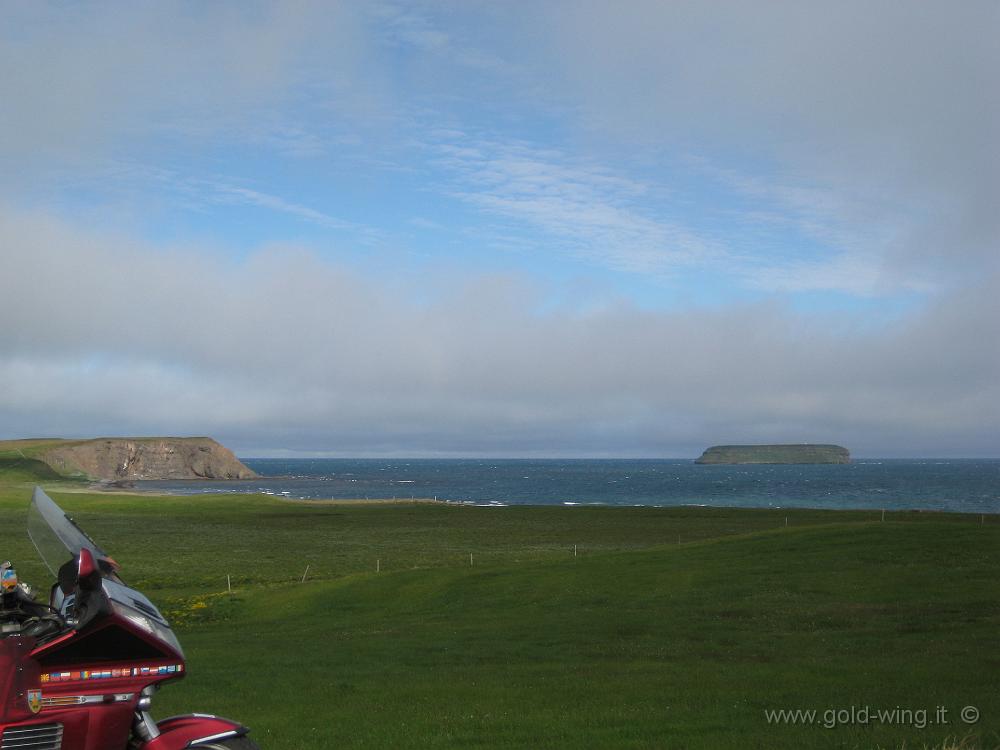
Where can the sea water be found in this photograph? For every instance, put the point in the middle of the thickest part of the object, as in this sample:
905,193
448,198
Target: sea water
967,485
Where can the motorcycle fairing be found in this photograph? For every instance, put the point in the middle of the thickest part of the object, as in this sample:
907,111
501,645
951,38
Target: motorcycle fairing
92,680
23,672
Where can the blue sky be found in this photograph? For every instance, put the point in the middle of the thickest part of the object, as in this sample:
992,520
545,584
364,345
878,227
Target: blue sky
436,228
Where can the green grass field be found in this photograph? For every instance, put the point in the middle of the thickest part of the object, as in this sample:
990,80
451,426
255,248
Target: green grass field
669,628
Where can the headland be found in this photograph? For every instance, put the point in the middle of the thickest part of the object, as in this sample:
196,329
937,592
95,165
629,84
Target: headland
133,458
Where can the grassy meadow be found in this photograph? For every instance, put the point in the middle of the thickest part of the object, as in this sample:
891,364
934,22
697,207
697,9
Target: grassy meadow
664,628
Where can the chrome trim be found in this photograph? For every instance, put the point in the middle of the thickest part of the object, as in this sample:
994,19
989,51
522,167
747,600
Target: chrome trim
79,700
213,737
32,737
143,723
67,700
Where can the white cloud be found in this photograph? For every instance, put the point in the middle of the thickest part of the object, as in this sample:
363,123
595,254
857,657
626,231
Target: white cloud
80,83
886,114
406,26
585,210
230,193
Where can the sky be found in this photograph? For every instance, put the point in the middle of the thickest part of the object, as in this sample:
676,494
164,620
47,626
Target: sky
556,229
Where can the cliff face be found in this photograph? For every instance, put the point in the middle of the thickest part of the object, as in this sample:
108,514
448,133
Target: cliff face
119,459
775,454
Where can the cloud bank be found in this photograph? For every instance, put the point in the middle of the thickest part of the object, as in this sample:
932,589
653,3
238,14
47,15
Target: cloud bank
289,351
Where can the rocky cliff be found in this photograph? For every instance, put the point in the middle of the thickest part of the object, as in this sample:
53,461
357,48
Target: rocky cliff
123,459
806,453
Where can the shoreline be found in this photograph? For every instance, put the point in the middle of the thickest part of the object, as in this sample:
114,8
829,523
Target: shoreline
103,489
954,487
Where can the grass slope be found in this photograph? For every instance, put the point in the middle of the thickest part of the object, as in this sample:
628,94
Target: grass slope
29,447
23,461
674,647
638,642
19,470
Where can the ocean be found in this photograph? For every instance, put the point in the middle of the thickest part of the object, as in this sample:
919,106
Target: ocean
966,485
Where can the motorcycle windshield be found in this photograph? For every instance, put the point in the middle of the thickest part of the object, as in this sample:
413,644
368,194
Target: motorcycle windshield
59,540
56,537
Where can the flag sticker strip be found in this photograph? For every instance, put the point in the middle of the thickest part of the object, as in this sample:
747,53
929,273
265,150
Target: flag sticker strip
106,674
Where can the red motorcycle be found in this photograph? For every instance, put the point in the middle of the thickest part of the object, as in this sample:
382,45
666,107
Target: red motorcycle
80,672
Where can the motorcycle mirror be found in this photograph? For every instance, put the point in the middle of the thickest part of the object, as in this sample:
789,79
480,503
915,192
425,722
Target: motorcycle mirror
86,566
